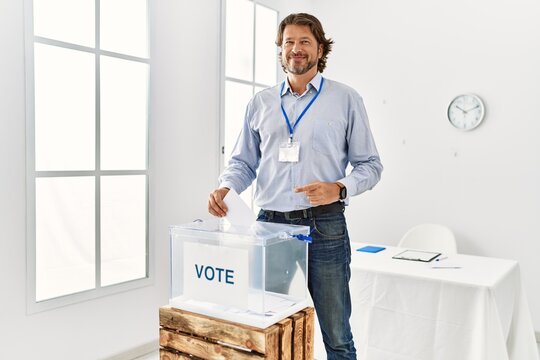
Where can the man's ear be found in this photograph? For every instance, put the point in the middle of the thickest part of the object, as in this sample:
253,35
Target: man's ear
320,52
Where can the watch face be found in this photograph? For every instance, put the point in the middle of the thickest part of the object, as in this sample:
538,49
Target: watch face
466,111
343,193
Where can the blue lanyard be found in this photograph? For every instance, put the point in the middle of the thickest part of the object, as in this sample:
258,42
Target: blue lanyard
291,128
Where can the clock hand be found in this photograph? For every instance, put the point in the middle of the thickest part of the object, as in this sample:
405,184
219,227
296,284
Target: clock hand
464,111
472,108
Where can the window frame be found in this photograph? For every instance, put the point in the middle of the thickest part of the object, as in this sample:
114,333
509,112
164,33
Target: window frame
224,153
34,306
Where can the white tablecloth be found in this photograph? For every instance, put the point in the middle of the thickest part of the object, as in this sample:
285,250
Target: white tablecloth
407,310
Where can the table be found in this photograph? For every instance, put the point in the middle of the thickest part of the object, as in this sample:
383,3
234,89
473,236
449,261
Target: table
407,310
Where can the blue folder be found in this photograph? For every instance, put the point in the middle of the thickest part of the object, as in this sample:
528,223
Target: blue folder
371,249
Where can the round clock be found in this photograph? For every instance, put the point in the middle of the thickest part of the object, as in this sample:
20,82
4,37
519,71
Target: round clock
466,111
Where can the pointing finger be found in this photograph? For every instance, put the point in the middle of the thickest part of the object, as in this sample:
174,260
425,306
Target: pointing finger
307,188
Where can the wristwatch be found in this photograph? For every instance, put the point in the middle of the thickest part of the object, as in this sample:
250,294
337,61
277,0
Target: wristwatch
342,191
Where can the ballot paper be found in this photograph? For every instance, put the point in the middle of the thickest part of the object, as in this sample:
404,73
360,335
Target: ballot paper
239,214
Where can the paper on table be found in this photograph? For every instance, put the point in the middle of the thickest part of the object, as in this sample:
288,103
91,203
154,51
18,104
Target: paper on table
445,264
239,214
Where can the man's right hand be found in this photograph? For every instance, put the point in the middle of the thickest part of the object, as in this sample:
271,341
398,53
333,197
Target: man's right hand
216,205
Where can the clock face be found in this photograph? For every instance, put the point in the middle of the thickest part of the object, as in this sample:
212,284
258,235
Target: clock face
466,111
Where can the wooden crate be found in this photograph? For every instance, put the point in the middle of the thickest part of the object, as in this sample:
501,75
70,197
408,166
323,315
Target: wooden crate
189,336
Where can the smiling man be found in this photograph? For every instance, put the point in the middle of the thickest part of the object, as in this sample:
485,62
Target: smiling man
297,139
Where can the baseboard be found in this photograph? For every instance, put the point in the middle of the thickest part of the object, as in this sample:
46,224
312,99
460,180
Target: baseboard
136,351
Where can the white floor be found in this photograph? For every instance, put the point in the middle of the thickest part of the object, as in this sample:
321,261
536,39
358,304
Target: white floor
152,356
155,355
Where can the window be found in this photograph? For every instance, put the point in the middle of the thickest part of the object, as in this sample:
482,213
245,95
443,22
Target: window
250,66
87,171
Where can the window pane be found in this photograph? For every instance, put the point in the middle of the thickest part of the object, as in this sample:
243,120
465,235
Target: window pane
124,27
124,98
123,228
239,40
65,108
265,47
65,236
66,20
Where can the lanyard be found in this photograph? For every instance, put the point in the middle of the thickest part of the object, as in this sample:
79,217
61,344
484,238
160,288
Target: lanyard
291,128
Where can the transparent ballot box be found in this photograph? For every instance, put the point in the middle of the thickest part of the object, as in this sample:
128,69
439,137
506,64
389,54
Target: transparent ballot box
253,275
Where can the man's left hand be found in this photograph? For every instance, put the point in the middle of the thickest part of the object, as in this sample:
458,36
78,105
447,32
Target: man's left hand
320,193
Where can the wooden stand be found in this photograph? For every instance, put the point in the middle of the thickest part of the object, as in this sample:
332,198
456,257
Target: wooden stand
187,336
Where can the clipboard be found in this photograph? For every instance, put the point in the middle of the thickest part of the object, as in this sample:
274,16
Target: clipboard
416,255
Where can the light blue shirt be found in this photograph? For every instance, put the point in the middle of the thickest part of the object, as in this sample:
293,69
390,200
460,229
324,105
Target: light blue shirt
333,133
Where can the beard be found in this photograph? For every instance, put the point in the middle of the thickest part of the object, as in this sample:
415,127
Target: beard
298,69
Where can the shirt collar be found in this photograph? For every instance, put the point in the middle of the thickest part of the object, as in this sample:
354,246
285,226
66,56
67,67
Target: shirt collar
315,83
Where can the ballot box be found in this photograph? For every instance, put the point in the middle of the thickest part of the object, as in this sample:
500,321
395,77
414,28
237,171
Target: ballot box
254,275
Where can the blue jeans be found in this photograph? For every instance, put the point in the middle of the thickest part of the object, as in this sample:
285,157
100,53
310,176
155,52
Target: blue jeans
329,258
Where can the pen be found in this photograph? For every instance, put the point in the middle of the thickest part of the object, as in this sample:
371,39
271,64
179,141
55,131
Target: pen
441,258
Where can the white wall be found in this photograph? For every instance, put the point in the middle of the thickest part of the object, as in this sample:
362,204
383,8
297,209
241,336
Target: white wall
286,7
409,59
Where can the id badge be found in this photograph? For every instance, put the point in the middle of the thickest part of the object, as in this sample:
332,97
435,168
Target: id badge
289,152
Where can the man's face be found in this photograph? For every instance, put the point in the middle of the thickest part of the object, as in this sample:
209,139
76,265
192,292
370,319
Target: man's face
300,51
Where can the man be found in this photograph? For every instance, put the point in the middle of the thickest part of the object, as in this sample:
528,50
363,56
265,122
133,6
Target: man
300,136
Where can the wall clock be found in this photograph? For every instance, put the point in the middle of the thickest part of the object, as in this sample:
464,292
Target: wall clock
466,111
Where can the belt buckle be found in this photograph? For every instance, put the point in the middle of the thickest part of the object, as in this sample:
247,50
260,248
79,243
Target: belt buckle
297,214
290,215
